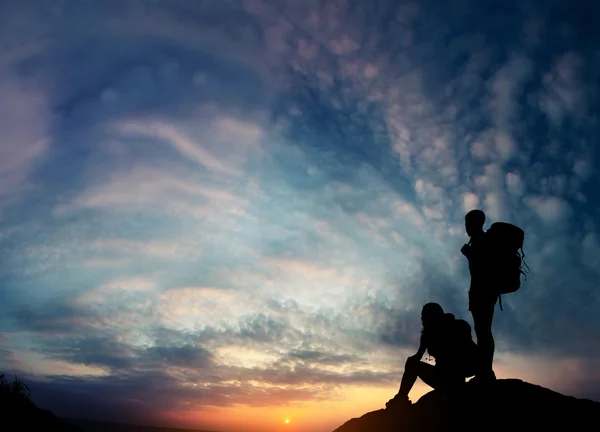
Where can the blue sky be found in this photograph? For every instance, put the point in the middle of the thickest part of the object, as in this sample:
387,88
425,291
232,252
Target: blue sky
248,202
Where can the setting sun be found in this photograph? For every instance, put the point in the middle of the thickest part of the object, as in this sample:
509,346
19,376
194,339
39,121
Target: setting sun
287,421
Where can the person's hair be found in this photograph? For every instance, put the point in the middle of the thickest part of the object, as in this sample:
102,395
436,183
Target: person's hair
432,309
475,218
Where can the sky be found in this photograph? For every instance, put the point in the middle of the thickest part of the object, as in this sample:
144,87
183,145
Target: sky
229,214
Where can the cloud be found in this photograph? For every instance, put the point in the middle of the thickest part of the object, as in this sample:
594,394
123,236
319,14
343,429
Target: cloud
186,356
506,87
132,248
491,178
194,150
344,45
182,308
470,202
549,209
563,93
32,362
145,187
514,184
494,206
590,254
117,289
25,119
321,357
582,168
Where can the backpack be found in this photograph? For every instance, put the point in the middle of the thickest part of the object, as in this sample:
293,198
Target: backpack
504,242
455,345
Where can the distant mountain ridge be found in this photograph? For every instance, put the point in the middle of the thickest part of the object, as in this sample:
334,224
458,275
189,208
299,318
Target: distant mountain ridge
504,405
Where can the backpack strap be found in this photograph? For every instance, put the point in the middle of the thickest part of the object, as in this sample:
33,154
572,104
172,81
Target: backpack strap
523,261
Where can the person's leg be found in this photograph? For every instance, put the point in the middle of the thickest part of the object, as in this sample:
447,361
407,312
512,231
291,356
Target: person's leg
428,373
482,318
432,375
409,376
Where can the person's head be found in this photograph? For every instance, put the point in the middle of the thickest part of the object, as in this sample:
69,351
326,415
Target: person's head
431,313
474,221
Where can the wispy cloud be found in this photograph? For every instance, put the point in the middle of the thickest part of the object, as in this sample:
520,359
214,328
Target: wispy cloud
25,118
146,187
188,148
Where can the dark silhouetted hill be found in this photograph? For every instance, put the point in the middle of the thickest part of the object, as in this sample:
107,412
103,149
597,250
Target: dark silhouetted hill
100,426
505,405
20,414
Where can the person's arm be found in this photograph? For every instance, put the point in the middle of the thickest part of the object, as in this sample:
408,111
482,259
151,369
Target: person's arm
422,348
466,250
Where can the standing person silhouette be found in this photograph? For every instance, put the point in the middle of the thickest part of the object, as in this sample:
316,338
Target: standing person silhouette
482,296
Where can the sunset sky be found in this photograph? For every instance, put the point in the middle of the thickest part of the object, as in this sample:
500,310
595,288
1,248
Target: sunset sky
223,214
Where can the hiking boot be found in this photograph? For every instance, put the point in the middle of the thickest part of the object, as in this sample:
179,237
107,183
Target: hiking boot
398,402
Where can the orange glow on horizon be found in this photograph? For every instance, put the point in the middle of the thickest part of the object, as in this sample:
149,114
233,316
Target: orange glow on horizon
345,403
307,416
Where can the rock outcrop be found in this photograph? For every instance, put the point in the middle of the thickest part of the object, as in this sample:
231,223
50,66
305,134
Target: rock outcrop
504,405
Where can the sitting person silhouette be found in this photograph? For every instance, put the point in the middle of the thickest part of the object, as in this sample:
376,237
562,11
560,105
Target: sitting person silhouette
449,341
